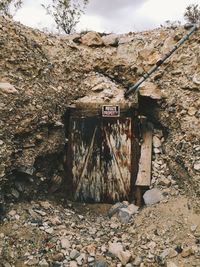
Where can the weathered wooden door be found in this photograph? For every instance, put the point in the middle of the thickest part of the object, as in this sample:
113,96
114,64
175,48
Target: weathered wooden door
100,158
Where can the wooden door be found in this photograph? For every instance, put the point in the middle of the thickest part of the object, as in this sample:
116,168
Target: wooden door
100,158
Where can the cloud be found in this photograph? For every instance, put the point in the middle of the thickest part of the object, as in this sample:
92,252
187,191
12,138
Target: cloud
113,15
105,8
116,16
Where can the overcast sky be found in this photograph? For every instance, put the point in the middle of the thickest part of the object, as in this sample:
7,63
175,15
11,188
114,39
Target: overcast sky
111,15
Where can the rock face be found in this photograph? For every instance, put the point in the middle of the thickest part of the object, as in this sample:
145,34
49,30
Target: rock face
40,75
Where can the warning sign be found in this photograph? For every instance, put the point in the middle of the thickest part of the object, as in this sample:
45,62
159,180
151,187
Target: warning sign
110,111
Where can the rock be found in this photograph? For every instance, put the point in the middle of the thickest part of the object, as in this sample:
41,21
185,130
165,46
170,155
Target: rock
124,257
80,259
115,248
197,234
196,79
156,142
151,90
74,254
100,264
73,264
178,249
65,243
186,252
152,196
7,88
32,261
90,259
15,227
43,263
197,166
171,264
42,213
168,253
91,249
58,257
49,230
45,204
28,170
172,253
34,215
12,213
156,150
146,52
92,39
133,208
115,209
110,40
15,193
137,261
192,111
125,214
193,228
164,182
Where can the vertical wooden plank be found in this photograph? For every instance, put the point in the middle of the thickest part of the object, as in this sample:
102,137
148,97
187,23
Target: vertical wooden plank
144,172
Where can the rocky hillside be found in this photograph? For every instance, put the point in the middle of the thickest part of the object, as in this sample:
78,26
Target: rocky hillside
40,76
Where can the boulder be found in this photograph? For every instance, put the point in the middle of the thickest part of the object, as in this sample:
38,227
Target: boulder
153,196
92,39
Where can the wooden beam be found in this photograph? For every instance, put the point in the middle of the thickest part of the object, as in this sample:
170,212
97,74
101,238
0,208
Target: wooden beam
144,172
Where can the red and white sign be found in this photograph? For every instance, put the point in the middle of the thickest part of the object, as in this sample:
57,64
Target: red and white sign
110,111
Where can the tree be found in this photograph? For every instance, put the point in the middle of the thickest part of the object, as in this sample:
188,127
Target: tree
192,13
66,13
8,7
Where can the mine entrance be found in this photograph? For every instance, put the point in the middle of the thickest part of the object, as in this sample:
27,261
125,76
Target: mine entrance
102,154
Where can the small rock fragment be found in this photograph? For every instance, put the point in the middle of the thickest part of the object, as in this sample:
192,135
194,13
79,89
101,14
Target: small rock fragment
137,261
164,182
124,257
43,263
58,257
73,264
171,264
100,264
197,166
65,244
74,254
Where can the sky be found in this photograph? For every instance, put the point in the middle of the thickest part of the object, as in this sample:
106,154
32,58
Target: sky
116,16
